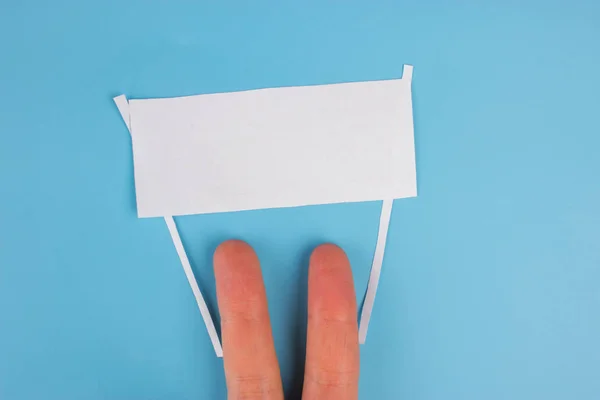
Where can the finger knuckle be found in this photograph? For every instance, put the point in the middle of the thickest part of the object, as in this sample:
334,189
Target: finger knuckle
334,378
249,387
248,311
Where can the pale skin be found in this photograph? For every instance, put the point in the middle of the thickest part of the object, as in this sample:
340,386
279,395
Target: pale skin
332,355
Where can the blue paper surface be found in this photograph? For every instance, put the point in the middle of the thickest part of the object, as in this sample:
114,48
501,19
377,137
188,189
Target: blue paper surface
490,284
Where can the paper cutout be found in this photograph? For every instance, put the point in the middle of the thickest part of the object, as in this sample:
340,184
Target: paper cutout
268,148
123,106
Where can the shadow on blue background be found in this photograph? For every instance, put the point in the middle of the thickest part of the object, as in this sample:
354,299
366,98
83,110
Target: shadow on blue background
491,281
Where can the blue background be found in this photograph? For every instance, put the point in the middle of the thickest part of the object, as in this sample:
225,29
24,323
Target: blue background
491,281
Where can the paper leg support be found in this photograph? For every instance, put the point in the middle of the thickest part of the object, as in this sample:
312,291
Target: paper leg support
210,326
384,222
123,106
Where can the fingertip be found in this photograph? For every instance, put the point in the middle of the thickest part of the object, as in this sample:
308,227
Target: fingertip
328,254
331,285
232,252
232,246
237,275
327,259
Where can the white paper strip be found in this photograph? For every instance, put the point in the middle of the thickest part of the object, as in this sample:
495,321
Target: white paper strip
210,326
271,148
365,317
123,106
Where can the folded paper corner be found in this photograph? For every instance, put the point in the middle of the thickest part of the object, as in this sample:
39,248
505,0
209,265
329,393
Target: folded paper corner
407,72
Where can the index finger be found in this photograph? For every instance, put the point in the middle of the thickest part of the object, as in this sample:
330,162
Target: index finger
251,367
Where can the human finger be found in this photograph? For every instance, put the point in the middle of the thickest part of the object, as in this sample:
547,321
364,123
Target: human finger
251,367
332,354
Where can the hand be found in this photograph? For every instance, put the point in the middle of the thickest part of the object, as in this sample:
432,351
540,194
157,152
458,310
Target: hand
332,355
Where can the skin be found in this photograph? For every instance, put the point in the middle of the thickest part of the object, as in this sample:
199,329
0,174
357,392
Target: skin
332,355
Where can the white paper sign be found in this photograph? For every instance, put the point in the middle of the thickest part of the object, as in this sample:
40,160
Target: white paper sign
268,148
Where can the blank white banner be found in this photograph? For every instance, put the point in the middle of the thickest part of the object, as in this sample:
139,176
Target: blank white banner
271,148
